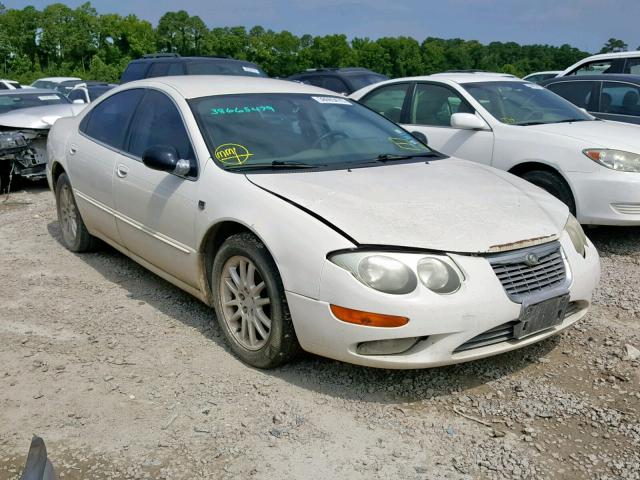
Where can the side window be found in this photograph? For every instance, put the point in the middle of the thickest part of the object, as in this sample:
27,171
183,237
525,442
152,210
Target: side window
134,71
335,84
175,68
434,105
580,93
594,68
3,86
158,122
313,80
77,95
158,69
620,98
387,100
109,120
632,66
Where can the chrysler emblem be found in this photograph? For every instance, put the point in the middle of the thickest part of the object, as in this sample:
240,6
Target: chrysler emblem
531,259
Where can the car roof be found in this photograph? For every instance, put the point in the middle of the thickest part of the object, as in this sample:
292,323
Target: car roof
622,77
188,59
195,86
29,91
544,72
461,77
56,79
602,56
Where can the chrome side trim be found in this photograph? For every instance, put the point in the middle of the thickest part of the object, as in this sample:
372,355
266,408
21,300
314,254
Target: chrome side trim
157,235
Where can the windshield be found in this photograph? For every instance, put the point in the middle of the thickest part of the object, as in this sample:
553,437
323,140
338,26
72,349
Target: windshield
522,103
223,67
362,80
309,130
12,102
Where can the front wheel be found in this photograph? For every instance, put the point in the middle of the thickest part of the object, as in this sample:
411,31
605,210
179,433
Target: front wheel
250,303
75,235
554,184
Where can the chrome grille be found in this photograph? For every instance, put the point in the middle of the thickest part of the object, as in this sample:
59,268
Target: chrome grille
530,270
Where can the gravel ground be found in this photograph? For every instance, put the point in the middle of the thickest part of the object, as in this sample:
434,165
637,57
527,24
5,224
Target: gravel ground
125,376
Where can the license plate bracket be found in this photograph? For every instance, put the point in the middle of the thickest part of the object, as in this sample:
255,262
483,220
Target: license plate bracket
540,316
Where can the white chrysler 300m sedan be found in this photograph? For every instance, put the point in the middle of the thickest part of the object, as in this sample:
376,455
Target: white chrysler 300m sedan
308,221
591,165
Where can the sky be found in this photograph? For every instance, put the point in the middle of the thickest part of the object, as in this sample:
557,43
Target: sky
586,24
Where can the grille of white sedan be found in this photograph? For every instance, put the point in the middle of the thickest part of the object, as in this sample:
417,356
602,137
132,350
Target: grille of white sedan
530,270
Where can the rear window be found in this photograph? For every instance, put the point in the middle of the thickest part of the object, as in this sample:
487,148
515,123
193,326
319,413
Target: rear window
361,81
222,67
135,71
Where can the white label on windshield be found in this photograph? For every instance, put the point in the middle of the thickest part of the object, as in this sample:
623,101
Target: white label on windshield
332,100
49,97
534,86
251,70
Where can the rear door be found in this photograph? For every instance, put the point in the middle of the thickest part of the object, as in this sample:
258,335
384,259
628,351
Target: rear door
93,152
156,210
582,93
620,101
429,112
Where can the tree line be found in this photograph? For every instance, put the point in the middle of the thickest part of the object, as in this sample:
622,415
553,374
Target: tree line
61,41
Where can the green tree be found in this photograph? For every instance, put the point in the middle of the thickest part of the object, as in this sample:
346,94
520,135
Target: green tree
614,45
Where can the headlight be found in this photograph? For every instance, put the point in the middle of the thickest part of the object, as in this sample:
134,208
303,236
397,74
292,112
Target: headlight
378,271
576,234
438,276
614,159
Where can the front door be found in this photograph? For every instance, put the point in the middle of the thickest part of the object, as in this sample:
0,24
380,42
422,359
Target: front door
156,210
429,112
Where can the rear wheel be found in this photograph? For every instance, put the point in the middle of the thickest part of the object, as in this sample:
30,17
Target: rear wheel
75,235
554,184
250,303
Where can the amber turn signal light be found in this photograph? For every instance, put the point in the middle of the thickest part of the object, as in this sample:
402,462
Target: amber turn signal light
367,319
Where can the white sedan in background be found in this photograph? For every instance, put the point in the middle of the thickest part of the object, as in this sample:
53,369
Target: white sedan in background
593,166
307,220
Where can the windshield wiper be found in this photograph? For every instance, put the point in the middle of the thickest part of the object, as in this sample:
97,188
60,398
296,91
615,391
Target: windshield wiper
274,164
571,120
390,157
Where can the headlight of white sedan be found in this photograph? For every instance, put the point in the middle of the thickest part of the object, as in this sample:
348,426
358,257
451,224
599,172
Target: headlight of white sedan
614,159
380,271
576,234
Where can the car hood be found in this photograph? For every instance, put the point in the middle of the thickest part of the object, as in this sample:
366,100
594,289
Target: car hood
39,117
599,133
445,205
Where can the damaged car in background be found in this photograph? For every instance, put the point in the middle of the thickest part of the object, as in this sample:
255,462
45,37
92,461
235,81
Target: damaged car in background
25,119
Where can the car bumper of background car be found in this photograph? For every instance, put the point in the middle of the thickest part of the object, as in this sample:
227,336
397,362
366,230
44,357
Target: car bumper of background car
607,197
441,325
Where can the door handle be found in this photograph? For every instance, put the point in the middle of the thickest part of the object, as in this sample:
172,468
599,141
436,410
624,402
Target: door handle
122,171
73,149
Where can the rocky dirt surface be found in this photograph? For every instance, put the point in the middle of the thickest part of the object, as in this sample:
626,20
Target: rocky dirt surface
125,376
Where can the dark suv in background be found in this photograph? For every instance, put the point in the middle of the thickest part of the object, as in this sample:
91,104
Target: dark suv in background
168,64
340,80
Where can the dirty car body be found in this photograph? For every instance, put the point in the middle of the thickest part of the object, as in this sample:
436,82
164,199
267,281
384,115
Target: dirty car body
26,115
284,205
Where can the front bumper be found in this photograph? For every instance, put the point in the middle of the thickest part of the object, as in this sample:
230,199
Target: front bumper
442,322
607,197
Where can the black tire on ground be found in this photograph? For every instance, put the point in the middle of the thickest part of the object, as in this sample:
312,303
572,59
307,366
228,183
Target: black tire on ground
282,344
554,184
80,240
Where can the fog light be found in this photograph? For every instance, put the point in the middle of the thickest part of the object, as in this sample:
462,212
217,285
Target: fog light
387,347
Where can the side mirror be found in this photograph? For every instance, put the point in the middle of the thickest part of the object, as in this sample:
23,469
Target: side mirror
421,137
165,158
467,121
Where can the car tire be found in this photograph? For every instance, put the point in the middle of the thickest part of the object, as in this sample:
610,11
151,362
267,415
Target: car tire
554,184
242,306
75,235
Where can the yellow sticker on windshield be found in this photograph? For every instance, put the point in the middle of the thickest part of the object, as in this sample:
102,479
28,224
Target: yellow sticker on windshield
232,153
406,144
